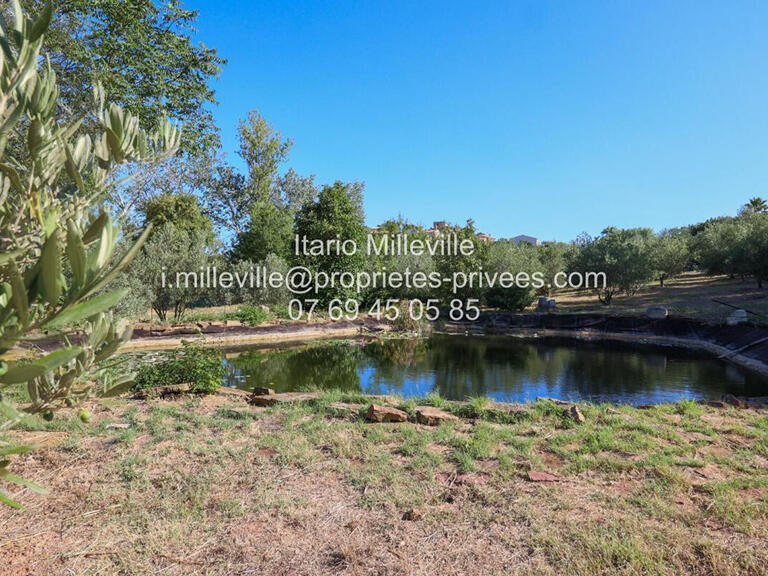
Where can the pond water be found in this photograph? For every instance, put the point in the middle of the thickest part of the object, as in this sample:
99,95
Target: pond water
505,369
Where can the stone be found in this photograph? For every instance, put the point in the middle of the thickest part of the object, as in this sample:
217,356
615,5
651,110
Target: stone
117,426
546,304
378,413
262,391
733,401
412,515
281,398
714,403
346,407
430,416
574,414
536,476
736,317
656,312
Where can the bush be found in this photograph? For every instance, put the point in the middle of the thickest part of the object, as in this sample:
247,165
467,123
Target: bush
201,368
252,315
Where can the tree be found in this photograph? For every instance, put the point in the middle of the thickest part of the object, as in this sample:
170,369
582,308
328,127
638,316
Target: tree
510,257
55,242
554,258
449,264
333,217
232,195
170,265
269,231
294,190
625,256
182,210
671,255
143,55
755,205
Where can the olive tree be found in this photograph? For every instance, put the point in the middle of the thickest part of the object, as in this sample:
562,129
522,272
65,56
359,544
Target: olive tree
624,255
56,240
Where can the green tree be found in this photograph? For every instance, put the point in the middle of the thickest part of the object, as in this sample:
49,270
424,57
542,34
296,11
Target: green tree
449,264
143,54
169,265
55,242
269,231
182,210
510,257
625,256
334,216
671,255
755,205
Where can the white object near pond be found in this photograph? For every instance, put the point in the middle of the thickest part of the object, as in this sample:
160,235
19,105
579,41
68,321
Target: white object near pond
736,317
656,312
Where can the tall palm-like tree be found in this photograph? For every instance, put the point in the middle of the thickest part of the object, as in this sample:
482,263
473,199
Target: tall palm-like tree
756,205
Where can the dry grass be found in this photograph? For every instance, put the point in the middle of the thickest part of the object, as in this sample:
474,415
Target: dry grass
690,295
213,486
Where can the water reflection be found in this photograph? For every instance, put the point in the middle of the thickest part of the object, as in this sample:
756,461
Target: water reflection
502,368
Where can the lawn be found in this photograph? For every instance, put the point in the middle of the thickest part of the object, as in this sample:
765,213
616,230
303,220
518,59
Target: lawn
212,485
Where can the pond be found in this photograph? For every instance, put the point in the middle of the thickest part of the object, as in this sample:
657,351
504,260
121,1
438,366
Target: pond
502,368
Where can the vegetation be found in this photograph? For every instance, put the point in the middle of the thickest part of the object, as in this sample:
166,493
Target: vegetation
56,239
199,367
675,489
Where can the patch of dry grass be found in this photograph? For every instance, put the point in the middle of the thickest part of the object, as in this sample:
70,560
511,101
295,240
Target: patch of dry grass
214,486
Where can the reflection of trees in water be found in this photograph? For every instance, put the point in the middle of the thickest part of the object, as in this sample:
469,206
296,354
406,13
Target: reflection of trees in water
458,367
323,367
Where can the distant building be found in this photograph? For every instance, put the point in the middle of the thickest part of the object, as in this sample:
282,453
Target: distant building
485,237
533,241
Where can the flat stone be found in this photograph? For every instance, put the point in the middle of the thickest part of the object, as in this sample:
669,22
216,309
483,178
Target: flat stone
733,401
430,416
378,413
117,426
262,391
281,398
346,407
536,476
574,414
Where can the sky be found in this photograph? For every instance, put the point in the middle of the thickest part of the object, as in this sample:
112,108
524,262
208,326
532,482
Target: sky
540,118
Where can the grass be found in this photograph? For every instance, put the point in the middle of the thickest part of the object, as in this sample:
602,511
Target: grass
212,485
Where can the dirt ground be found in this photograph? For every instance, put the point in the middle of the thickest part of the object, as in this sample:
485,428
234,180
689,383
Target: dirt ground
690,295
215,486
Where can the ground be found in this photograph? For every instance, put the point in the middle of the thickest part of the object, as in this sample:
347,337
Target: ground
690,295
212,485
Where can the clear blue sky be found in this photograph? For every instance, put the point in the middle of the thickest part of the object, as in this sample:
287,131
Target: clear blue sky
543,118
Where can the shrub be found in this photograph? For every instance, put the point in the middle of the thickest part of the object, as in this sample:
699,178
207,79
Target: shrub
200,367
252,315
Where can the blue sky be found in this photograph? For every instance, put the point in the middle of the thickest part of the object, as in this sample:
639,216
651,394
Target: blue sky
543,118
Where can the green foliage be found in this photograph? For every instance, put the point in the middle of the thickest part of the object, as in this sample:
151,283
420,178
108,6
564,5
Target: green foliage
252,315
448,264
508,256
200,367
144,56
269,231
625,256
182,210
334,216
56,244
671,255
169,267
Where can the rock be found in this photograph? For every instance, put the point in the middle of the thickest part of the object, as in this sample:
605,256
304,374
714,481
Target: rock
574,414
554,400
714,403
281,398
346,407
656,312
378,413
430,416
117,426
733,401
736,317
644,406
546,304
262,391
535,476
412,515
